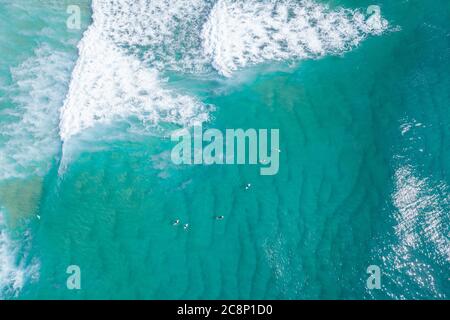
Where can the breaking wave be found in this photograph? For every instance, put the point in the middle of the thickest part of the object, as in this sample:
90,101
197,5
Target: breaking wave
131,44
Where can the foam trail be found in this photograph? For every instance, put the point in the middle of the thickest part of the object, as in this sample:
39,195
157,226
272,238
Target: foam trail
241,33
13,273
32,91
37,93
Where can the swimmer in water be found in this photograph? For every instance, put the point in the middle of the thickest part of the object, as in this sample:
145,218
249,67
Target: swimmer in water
176,222
220,217
186,226
248,186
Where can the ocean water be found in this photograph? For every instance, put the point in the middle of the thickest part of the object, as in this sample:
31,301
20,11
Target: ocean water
361,97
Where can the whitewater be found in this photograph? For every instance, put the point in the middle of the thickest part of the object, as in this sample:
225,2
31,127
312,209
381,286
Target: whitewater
125,53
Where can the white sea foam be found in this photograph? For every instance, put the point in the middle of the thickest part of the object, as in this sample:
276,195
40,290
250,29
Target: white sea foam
132,42
13,271
240,33
167,33
31,95
30,134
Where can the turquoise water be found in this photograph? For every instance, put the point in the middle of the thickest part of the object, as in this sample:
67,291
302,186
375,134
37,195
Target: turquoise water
86,177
